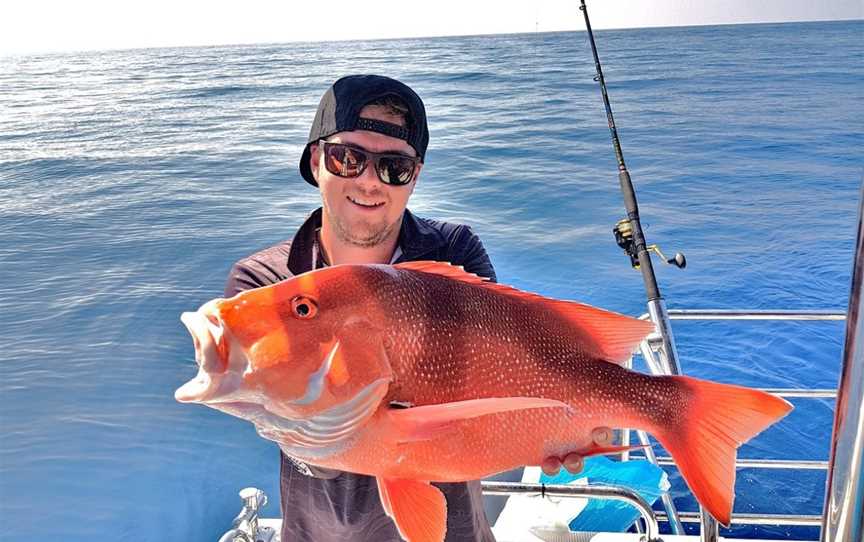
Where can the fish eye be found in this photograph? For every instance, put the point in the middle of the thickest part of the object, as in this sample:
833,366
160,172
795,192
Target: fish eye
304,307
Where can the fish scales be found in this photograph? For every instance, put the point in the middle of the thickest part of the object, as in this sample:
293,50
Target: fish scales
471,342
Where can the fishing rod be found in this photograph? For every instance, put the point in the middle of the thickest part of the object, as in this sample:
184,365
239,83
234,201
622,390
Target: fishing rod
628,232
630,237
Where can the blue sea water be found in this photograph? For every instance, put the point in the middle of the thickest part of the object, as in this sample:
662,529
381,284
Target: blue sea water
130,181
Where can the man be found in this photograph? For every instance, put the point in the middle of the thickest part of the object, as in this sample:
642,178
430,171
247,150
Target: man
365,151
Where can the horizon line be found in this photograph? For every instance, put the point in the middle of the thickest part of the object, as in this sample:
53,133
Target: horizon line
5,55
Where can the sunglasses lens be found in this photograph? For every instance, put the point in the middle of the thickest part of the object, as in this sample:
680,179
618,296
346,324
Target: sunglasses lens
349,162
395,169
344,161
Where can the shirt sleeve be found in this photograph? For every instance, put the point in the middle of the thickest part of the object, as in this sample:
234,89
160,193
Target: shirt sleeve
468,251
241,278
262,269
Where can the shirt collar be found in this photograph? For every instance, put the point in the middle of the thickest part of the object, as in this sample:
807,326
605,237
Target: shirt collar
416,239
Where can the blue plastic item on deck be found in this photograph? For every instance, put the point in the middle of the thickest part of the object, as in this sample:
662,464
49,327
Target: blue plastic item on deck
608,515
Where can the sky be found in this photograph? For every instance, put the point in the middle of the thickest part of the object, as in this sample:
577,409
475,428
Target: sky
33,26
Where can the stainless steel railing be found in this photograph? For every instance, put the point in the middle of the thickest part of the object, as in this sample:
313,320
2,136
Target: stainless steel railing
754,519
764,463
843,518
653,352
595,491
245,527
734,314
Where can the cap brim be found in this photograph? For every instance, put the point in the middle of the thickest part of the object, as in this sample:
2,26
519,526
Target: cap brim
305,168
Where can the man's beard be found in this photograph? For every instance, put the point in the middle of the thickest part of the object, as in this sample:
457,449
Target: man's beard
367,235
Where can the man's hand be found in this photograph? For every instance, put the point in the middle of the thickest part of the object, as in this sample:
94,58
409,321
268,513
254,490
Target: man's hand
574,462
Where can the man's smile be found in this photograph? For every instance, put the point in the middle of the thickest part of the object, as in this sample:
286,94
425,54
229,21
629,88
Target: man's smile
365,202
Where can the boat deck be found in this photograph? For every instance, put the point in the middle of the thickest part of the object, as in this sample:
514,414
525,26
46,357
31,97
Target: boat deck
552,537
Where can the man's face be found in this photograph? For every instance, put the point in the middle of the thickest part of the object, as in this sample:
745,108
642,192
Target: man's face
363,211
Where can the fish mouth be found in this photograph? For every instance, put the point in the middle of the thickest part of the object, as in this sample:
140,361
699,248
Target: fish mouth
212,356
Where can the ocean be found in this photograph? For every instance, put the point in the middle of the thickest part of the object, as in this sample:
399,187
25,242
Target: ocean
130,181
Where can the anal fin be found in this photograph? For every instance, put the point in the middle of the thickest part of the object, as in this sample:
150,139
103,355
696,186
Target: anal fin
418,508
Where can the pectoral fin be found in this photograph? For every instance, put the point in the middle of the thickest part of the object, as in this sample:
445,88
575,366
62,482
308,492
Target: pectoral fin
418,508
425,422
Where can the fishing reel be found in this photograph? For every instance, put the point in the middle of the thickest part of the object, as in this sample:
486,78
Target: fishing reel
624,237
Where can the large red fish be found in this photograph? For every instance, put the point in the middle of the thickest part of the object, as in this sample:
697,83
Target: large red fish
421,372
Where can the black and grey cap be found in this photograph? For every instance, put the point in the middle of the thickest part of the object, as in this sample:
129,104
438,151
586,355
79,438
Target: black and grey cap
339,111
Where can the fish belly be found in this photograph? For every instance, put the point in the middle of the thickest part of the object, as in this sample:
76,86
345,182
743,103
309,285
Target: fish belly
474,449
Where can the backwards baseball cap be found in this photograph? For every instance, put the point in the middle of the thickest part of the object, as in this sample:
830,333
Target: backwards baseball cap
339,111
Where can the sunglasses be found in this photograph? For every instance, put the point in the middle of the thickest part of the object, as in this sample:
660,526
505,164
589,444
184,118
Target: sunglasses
349,162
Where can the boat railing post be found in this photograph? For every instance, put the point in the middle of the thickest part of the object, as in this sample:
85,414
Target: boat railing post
667,356
667,353
658,367
843,516
709,529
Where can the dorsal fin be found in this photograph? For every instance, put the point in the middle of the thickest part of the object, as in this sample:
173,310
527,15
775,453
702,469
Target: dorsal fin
615,335
445,269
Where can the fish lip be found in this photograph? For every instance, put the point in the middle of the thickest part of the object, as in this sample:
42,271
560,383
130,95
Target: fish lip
196,390
207,331
192,321
208,336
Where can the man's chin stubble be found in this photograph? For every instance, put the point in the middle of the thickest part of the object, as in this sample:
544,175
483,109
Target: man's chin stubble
371,239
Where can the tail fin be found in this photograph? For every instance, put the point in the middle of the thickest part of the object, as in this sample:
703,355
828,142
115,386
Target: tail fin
716,420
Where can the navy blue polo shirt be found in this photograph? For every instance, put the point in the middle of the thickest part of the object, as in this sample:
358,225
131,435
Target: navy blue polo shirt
322,505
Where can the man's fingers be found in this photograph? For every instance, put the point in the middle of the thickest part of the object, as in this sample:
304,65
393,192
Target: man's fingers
574,463
602,436
551,466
